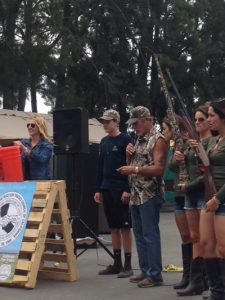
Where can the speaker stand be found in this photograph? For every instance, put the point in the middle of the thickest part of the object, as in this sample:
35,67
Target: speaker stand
77,219
78,193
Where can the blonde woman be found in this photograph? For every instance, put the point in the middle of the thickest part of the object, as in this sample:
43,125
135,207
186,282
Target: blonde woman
36,151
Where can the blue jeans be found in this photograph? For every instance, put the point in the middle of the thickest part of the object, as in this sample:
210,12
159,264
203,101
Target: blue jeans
145,222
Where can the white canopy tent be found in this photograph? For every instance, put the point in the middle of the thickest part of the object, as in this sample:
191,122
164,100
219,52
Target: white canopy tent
13,126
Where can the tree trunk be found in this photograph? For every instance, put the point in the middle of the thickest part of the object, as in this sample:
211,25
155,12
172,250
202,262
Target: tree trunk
22,97
62,59
33,93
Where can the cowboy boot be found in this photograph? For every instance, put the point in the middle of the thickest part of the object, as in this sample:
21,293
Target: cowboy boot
215,269
186,258
196,283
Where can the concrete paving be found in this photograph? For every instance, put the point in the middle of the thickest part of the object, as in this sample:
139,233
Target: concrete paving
91,286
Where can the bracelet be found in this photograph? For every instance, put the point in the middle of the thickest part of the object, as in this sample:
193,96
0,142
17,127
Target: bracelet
136,170
27,151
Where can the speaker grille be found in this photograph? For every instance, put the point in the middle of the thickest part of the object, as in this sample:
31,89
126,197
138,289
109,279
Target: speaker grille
70,131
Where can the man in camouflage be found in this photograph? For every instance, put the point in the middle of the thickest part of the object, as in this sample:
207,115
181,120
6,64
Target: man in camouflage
146,167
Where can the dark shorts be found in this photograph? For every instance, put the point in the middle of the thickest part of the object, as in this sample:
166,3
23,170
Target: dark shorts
179,205
117,213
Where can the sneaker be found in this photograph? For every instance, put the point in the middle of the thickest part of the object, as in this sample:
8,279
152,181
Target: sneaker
125,273
149,282
137,278
110,270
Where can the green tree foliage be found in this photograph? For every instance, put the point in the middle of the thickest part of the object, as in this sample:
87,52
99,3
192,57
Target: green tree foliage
98,54
9,52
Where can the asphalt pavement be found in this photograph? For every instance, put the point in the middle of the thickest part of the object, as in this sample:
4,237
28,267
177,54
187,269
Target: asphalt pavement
92,286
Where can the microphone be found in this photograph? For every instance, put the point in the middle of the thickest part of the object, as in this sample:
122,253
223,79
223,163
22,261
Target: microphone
132,134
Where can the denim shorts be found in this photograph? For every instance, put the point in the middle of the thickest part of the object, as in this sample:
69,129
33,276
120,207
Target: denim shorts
179,205
220,210
194,200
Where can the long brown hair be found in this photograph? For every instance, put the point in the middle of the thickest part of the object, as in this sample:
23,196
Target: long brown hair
203,109
219,107
179,122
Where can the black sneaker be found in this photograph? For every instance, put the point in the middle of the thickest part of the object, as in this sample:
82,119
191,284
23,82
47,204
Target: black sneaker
110,270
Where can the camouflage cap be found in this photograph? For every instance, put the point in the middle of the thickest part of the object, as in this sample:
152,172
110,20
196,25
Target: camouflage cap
138,112
110,114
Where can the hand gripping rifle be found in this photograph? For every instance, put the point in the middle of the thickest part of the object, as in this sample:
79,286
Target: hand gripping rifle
183,176
210,188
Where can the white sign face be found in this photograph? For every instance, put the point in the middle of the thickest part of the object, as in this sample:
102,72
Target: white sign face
12,217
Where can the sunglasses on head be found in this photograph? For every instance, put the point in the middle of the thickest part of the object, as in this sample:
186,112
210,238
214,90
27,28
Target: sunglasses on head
200,120
32,125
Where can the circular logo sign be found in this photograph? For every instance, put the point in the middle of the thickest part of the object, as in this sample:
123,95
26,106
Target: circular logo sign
13,213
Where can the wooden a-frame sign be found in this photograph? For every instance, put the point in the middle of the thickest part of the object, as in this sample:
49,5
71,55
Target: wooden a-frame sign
47,249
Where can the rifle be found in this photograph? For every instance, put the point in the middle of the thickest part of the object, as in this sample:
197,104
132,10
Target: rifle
210,188
183,176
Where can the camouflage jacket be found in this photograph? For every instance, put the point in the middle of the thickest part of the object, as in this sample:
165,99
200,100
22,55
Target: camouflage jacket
143,188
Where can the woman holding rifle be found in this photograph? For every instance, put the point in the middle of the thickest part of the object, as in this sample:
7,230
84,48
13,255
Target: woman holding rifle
194,202
180,217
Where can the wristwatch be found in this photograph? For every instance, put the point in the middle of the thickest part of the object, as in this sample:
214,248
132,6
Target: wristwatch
136,169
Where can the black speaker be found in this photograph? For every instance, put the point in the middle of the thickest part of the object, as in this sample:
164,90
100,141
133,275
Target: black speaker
70,131
79,172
